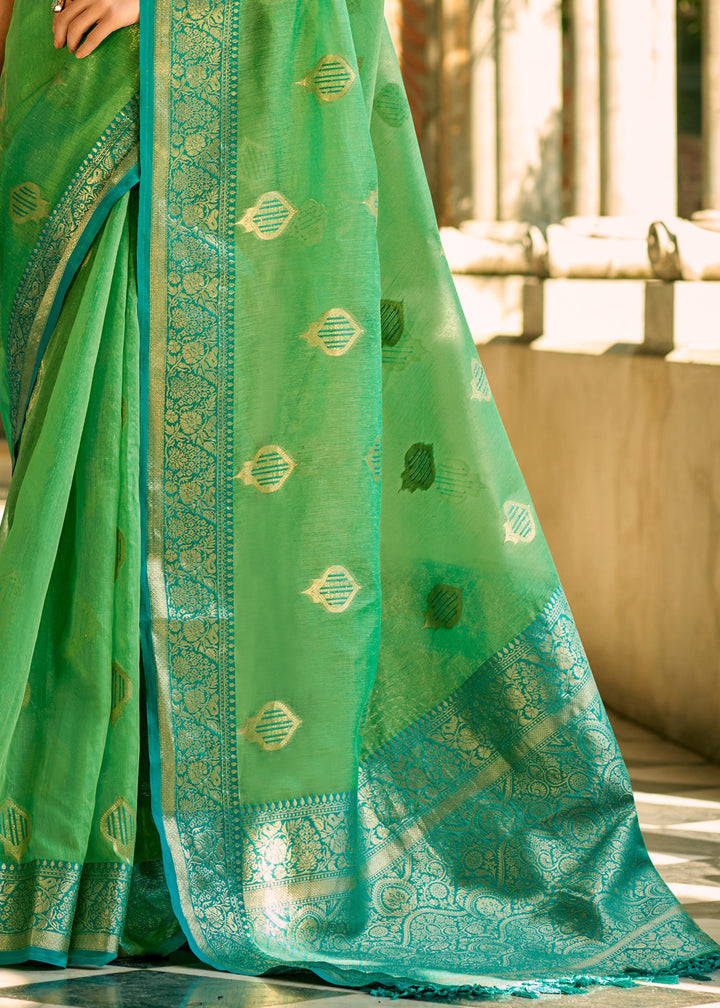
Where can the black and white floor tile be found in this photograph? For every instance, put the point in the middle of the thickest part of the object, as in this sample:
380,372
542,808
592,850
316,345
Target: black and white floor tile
678,798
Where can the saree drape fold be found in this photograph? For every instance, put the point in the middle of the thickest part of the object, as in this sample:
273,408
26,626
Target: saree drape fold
270,463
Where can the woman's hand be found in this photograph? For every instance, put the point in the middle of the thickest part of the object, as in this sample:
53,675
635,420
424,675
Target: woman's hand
94,19
6,9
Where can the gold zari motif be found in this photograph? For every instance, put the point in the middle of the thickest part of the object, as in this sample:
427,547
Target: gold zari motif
15,829
121,690
269,217
331,78
335,332
269,470
117,825
519,523
272,727
335,590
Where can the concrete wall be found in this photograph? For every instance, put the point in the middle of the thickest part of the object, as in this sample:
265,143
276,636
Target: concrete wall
621,453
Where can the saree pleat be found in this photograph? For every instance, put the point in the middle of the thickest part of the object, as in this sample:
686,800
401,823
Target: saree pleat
70,655
268,468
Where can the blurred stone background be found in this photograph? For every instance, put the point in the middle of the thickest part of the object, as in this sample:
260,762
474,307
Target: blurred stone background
573,154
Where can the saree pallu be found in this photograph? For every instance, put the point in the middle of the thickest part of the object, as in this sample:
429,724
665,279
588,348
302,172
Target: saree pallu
257,456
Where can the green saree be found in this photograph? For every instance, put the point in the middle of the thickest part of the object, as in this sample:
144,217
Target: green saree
256,456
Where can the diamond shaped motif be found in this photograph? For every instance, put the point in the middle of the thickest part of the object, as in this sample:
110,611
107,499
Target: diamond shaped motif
331,78
479,384
391,105
335,590
520,524
268,470
335,332
269,217
15,829
272,727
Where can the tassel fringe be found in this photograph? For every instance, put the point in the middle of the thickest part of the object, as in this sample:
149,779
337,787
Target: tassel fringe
699,968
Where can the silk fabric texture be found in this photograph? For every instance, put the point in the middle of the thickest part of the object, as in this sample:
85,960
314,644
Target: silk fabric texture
257,456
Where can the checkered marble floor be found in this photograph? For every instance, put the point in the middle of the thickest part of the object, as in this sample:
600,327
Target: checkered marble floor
678,798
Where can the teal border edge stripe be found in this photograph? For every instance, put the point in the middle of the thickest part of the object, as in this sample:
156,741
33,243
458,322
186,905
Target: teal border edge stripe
82,248
33,953
147,650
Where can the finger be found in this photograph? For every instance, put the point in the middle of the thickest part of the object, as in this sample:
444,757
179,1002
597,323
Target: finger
95,37
62,20
82,23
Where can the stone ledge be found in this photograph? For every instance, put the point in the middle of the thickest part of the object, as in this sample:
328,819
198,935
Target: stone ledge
676,320
621,455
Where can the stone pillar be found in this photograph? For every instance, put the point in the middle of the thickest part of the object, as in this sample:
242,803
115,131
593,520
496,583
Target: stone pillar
419,37
529,50
711,105
456,150
639,121
586,108
483,105
392,16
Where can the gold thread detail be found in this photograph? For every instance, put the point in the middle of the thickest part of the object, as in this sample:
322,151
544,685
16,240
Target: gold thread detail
272,727
335,332
117,826
372,202
269,217
330,79
335,590
519,523
268,470
121,690
15,829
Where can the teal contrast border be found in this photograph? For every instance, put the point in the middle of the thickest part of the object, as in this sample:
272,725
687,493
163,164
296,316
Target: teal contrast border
105,174
161,66
81,249
147,648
